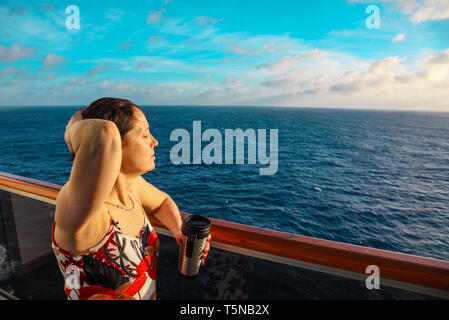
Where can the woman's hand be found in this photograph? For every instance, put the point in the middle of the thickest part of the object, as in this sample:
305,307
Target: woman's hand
76,117
205,250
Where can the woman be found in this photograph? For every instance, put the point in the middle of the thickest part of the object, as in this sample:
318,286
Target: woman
104,243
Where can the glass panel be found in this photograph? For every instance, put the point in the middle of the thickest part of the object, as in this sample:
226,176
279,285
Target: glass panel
28,268
229,275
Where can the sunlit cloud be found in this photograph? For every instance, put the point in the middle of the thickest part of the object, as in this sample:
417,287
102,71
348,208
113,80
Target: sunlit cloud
399,37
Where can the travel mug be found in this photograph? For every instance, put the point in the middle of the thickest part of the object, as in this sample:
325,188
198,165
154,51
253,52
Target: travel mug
195,230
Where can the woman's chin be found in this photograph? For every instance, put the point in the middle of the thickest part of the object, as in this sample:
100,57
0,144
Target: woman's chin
151,166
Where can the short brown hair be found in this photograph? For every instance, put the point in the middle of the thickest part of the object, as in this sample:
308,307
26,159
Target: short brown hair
119,111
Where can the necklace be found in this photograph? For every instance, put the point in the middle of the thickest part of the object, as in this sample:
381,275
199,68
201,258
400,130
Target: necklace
118,206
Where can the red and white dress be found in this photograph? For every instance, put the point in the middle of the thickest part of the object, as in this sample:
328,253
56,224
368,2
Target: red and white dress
120,267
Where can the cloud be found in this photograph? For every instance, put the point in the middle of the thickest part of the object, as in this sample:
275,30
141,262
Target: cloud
430,10
126,44
114,15
155,16
236,48
399,37
51,60
78,81
379,74
154,38
47,6
232,83
207,20
20,9
7,71
418,11
122,85
281,64
439,58
386,65
288,62
36,27
143,65
384,83
98,69
14,53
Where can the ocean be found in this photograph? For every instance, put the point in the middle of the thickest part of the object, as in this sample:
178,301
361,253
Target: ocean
372,178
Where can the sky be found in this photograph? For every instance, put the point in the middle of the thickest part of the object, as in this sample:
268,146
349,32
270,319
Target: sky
326,53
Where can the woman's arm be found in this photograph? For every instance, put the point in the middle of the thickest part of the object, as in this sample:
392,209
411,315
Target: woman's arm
97,146
158,203
169,215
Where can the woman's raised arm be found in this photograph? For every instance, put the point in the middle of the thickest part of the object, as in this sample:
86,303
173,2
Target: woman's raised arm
96,144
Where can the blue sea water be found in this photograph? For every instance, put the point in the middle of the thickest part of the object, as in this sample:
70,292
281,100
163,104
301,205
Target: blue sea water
373,178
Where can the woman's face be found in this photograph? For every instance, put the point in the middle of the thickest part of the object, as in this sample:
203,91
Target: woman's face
138,146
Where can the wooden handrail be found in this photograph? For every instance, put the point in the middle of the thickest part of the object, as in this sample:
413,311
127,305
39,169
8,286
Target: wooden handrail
417,270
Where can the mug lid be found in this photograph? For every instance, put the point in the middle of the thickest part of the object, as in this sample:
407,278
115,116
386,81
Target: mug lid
196,224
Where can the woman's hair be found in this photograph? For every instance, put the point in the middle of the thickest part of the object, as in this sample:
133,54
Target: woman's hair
119,111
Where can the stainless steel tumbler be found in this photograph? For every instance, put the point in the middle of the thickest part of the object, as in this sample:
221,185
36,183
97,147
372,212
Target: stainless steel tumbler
195,230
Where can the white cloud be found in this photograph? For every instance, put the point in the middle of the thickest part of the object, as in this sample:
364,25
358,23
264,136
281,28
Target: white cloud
14,53
282,64
399,37
430,10
288,62
387,65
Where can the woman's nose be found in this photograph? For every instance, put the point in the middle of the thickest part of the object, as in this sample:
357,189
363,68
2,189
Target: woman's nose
154,142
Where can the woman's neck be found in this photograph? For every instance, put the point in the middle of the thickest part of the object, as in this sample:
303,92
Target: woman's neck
120,192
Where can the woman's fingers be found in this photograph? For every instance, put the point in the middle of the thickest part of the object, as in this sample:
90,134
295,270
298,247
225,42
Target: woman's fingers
203,259
178,237
206,250
207,246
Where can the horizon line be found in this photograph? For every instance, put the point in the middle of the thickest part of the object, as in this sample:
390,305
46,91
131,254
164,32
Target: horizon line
244,106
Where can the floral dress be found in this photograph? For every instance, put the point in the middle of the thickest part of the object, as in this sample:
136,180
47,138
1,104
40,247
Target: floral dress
120,267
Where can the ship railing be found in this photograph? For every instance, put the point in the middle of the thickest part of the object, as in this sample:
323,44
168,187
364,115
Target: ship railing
253,256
